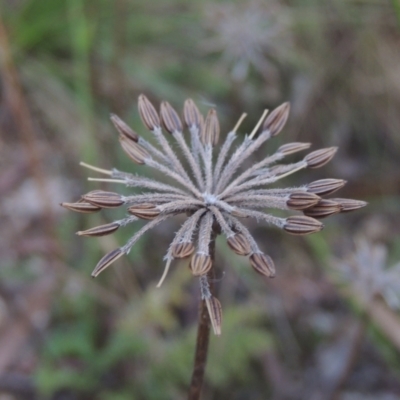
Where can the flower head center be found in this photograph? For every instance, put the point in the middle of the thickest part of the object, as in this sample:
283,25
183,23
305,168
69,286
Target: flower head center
209,199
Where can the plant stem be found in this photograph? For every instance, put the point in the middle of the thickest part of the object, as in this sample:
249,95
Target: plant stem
203,337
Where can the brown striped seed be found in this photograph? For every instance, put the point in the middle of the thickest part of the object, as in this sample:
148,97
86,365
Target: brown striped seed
347,205
200,264
123,128
302,200
104,199
182,250
101,230
144,211
263,264
320,157
291,148
134,151
81,207
192,115
215,312
210,131
325,186
148,113
239,244
301,225
106,261
170,118
277,119
323,209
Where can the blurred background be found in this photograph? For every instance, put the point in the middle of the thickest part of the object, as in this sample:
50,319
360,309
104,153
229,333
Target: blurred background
327,327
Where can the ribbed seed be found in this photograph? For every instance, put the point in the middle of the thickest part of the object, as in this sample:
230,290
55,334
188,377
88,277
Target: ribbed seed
215,312
263,264
239,244
277,119
192,115
170,118
320,157
323,209
182,250
291,148
101,230
210,131
301,225
81,207
106,261
200,264
104,199
144,211
325,186
123,128
302,200
347,205
148,113
134,151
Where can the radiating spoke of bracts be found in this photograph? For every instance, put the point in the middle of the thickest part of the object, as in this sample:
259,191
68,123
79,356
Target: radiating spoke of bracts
196,145
239,227
208,167
260,216
281,192
262,200
155,152
154,198
222,156
205,230
180,206
222,222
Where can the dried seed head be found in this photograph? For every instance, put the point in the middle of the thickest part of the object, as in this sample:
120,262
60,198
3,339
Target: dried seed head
144,211
239,244
301,225
106,261
277,119
104,199
263,264
134,151
200,264
215,312
182,250
302,200
148,113
192,115
210,131
123,128
325,186
323,209
101,230
320,157
81,207
291,148
347,205
170,118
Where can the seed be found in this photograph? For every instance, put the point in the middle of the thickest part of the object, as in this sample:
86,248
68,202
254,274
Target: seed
347,205
291,148
210,131
302,200
215,312
106,261
320,157
192,115
182,250
101,230
123,128
301,225
323,209
239,244
200,264
325,186
277,119
135,152
263,264
144,211
148,113
81,207
170,118
104,199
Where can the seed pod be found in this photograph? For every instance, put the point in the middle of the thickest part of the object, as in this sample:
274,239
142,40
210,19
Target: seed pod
291,148
106,261
325,186
320,157
302,200
182,250
323,209
123,128
148,113
301,225
104,199
170,118
144,211
134,151
210,131
200,264
192,115
277,119
239,244
81,207
263,264
215,312
101,230
347,205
